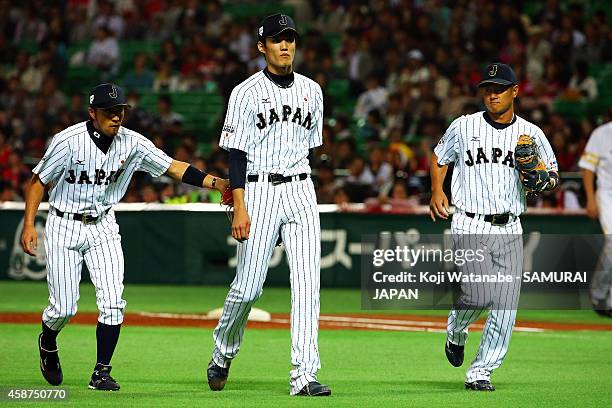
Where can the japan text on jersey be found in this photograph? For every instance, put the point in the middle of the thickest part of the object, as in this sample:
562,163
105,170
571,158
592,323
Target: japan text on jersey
484,179
275,126
85,179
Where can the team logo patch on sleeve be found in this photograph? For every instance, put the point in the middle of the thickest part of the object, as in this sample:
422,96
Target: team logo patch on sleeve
227,131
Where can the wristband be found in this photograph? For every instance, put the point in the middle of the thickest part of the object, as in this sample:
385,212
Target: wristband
193,176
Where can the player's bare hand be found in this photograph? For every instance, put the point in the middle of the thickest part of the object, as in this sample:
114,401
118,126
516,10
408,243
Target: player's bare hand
241,225
438,206
592,209
221,185
29,240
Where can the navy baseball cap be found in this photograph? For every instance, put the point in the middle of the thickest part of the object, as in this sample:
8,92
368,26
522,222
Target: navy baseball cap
498,73
275,24
105,96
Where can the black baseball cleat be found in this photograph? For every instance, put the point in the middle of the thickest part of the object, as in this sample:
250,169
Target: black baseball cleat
101,379
454,354
480,385
50,365
217,376
315,389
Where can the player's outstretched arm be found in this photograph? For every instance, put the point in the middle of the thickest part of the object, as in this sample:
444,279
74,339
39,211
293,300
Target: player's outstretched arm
29,237
588,179
185,173
438,206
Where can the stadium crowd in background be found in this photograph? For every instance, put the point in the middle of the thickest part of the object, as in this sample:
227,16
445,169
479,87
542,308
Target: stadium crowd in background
411,66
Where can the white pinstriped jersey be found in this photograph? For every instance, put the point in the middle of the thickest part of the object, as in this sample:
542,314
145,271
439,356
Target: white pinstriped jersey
275,126
85,180
484,178
597,156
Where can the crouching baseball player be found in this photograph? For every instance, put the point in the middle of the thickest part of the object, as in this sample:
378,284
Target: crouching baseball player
87,169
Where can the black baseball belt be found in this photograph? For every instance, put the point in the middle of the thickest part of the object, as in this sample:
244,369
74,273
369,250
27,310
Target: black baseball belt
86,219
276,179
495,219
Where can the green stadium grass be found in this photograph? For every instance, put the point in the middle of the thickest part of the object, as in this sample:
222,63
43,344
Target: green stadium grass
166,367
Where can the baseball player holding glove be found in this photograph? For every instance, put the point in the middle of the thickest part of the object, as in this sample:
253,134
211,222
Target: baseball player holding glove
498,158
87,169
273,118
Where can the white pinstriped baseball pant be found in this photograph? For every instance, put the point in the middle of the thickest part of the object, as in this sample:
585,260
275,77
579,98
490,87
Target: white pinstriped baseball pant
67,244
601,283
504,255
291,210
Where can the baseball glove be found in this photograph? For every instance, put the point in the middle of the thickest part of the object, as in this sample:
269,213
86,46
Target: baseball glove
227,199
532,170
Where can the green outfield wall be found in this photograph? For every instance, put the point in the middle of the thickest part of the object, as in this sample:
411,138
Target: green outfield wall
195,247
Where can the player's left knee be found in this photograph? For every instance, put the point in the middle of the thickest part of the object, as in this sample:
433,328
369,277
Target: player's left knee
112,312
111,316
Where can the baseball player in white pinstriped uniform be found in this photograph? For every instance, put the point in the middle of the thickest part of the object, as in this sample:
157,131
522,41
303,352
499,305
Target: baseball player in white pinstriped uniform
597,160
88,168
273,119
489,197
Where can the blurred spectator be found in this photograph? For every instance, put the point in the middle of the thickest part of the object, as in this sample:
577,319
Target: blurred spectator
165,79
325,183
551,13
241,41
358,62
29,70
343,156
55,98
382,171
81,28
360,182
581,86
136,26
592,50
415,72
103,52
169,55
567,157
216,19
149,194
156,32
398,198
441,84
108,18
8,192
29,26
139,77
171,122
77,109
373,98
5,151
137,118
536,53
15,172
513,52
341,198
397,117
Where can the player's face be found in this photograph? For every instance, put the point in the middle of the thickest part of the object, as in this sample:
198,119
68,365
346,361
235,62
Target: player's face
108,120
279,52
498,98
